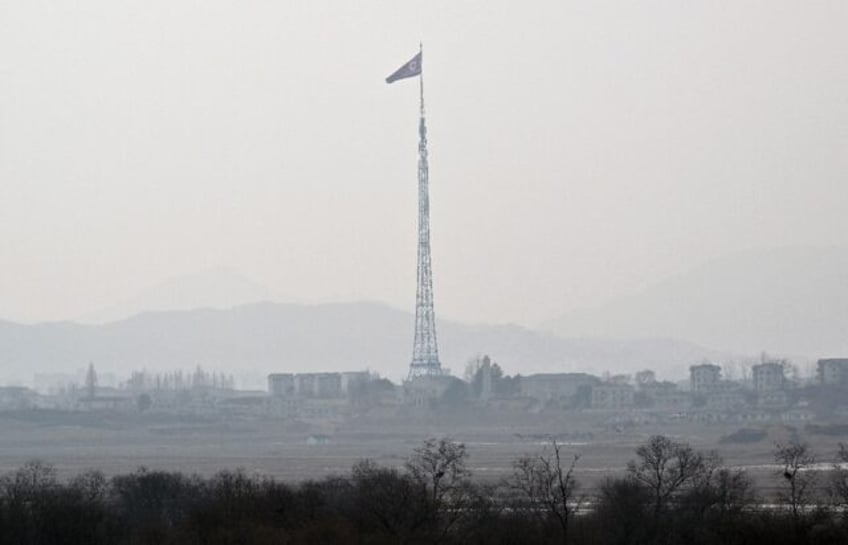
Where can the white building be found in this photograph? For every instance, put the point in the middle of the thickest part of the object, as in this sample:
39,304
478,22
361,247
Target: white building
548,386
768,377
612,396
833,371
704,377
307,385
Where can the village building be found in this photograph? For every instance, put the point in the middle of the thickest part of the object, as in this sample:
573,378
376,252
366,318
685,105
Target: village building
833,371
612,396
768,377
322,385
773,399
17,398
550,386
425,391
672,401
704,377
726,401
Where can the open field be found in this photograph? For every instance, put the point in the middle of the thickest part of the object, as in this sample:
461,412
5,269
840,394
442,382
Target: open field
74,442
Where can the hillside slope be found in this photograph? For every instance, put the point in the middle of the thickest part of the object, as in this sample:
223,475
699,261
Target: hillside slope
269,337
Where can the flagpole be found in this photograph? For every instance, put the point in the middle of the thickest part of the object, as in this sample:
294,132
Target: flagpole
425,350
421,77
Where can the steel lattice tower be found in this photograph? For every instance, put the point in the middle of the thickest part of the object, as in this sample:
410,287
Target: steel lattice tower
425,349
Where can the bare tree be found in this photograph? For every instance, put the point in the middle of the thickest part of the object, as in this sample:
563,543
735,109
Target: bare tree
29,481
472,366
92,486
745,373
439,464
155,498
548,487
665,468
719,498
91,381
439,468
839,479
645,377
389,500
798,476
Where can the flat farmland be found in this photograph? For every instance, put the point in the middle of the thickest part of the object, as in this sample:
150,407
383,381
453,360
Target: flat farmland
290,451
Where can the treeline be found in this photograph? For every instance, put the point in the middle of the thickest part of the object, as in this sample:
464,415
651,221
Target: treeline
669,494
200,379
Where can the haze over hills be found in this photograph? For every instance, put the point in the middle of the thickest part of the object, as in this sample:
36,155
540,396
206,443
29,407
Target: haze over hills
269,337
221,287
789,301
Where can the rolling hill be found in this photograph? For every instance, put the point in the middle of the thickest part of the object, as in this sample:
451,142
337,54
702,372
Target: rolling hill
790,301
254,339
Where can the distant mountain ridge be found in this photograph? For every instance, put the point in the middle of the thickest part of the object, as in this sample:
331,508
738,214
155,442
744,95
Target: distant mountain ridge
220,288
271,337
788,301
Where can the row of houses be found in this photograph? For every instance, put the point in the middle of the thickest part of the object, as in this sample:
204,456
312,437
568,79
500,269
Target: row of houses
768,376
316,385
335,395
769,389
338,395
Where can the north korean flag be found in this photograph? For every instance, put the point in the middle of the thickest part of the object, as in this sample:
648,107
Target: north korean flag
408,70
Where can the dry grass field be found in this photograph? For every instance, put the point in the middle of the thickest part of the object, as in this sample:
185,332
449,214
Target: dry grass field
75,442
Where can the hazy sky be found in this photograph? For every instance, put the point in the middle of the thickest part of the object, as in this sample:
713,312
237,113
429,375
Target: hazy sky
579,150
